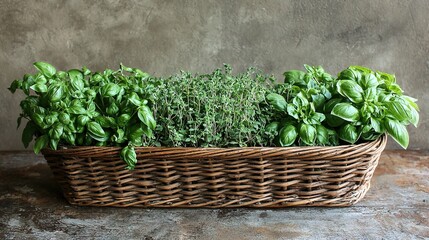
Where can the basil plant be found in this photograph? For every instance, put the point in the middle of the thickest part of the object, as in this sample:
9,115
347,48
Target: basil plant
83,108
313,108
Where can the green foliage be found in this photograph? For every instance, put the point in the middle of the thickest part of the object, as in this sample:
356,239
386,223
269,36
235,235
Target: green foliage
80,107
359,105
129,108
210,110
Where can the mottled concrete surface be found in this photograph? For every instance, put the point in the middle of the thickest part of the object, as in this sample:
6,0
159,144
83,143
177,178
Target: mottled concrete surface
165,36
396,207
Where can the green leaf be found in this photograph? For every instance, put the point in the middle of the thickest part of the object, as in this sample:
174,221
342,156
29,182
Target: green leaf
40,88
82,120
397,131
294,77
135,134
56,131
145,115
64,118
351,90
413,116
370,94
277,101
376,125
134,99
397,110
350,74
55,92
53,143
322,135
70,138
287,135
106,122
95,129
348,133
129,156
272,127
15,85
110,90
369,81
123,120
346,111
411,101
76,107
41,142
308,134
45,68
76,79
28,133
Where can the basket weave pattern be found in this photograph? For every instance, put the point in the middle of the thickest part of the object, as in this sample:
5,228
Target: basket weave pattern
217,177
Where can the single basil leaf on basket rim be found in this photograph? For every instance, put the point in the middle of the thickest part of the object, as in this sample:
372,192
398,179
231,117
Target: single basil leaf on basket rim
129,156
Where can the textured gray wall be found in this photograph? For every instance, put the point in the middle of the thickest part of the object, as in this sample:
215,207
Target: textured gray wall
165,36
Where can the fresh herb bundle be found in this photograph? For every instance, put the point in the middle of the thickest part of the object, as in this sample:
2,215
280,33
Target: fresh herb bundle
210,110
129,108
313,108
79,107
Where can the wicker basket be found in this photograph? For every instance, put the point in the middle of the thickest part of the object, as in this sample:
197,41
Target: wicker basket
217,177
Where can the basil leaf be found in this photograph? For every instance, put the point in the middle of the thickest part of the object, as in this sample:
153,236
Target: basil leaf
272,127
277,101
53,143
56,131
145,115
135,134
350,74
95,129
45,68
41,142
397,131
129,156
346,111
55,92
76,79
369,81
76,107
397,110
110,90
28,133
322,135
370,94
287,135
82,120
112,109
351,90
308,134
294,77
123,120
134,99
348,133
39,87
376,125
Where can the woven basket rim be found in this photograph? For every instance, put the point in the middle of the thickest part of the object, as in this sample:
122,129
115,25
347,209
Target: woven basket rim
69,149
